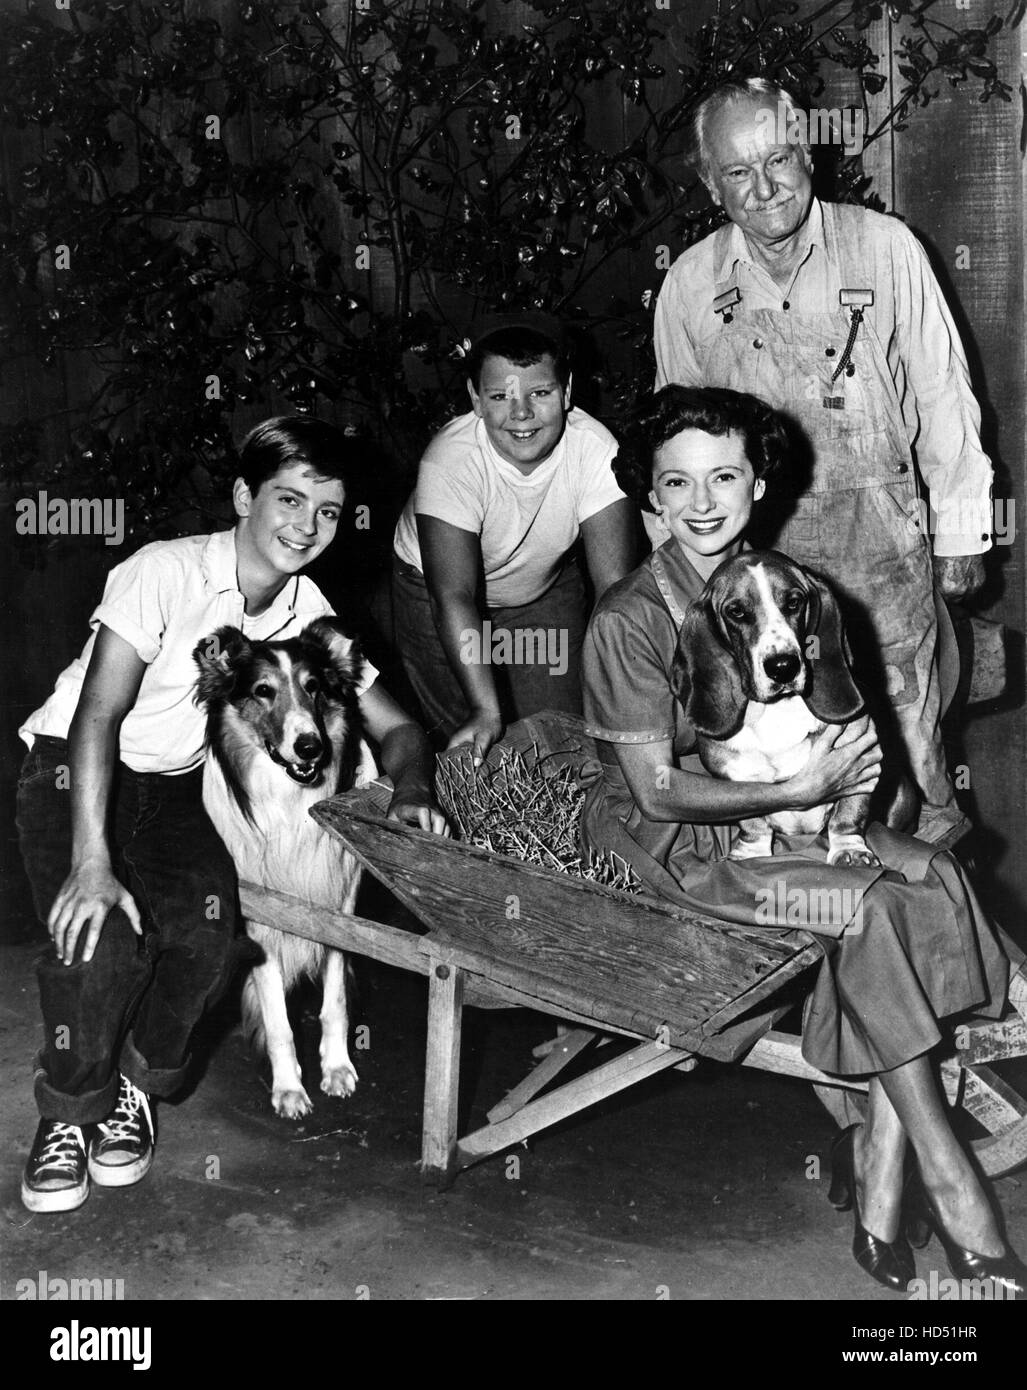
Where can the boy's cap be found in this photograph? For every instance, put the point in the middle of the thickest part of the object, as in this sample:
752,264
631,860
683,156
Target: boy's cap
527,318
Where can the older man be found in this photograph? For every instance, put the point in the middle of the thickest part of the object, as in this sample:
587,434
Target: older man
831,313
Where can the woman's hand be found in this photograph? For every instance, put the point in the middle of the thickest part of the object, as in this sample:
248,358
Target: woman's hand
482,730
86,896
844,760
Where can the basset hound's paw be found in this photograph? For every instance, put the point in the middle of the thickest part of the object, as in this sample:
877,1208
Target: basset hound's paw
752,849
852,852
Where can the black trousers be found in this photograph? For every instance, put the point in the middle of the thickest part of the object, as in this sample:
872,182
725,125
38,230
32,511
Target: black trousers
132,1008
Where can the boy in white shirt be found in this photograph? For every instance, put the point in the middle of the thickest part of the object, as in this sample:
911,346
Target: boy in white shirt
489,612
136,888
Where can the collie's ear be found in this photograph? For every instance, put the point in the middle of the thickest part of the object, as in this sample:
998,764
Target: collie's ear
705,675
217,657
339,646
833,695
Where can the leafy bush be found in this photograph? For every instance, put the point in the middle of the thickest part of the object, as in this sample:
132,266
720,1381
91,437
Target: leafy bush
303,205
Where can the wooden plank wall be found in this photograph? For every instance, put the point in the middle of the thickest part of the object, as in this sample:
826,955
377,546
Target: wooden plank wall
959,183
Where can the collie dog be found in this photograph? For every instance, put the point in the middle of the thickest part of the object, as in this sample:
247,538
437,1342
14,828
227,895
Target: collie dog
283,732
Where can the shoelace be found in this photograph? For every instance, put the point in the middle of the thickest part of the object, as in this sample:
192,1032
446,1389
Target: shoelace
64,1150
129,1103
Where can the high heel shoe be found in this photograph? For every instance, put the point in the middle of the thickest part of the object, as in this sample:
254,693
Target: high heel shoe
1007,1271
890,1263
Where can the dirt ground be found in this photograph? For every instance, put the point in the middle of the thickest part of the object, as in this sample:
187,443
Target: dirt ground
702,1187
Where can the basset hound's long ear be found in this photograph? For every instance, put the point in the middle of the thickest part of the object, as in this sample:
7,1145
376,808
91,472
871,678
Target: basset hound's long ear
832,695
705,676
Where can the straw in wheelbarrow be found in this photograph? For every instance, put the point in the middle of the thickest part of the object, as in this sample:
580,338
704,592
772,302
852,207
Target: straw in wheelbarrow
523,809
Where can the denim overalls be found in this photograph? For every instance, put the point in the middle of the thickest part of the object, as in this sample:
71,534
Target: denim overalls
857,519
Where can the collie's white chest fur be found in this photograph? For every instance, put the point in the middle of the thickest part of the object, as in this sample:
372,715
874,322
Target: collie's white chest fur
282,716
283,847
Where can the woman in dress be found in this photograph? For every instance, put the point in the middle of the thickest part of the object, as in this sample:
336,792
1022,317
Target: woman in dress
922,950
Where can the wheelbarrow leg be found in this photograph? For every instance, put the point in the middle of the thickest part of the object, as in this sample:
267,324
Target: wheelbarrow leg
442,1073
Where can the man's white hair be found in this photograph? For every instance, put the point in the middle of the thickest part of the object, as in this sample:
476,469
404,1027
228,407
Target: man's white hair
741,89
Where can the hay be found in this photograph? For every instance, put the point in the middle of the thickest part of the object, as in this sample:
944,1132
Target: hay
520,809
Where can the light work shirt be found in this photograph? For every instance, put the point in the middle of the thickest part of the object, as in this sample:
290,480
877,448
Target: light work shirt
910,317
162,601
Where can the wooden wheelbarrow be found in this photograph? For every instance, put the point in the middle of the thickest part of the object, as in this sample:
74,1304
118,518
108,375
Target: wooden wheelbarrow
502,933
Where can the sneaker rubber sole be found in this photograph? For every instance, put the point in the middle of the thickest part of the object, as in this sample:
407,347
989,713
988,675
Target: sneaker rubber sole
120,1174
55,1199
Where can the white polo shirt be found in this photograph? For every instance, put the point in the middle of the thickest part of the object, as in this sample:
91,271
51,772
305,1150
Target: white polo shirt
527,523
162,601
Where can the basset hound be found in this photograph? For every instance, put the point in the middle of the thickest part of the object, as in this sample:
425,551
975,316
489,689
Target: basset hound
762,665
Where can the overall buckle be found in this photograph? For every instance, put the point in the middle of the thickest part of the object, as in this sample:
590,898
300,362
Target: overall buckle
724,303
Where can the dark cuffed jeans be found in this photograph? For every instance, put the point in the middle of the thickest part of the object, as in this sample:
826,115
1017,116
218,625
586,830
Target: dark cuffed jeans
524,687
134,1006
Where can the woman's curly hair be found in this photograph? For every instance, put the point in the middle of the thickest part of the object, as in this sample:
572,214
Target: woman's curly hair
662,415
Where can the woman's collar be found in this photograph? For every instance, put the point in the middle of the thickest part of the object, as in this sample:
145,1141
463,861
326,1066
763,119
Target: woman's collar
676,562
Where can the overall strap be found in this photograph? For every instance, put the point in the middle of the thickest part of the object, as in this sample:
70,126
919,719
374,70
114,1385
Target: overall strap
721,239
848,224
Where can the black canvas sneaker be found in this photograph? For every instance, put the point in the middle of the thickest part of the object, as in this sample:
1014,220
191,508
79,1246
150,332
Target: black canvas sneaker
56,1177
121,1150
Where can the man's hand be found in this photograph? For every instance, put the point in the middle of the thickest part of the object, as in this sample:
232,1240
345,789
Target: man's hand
86,896
406,757
421,812
958,576
481,731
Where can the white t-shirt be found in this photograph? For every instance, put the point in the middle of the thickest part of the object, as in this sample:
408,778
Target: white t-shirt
526,523
163,600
